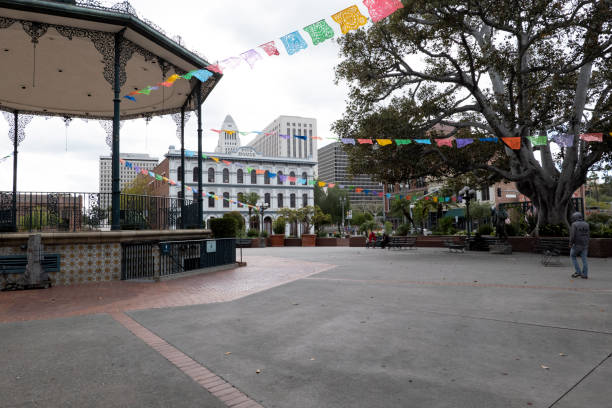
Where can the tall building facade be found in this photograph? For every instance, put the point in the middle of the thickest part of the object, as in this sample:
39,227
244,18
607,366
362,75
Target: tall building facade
274,145
332,168
126,175
229,138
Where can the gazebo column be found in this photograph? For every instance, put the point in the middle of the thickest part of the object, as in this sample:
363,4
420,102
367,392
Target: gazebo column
182,174
116,190
15,145
200,163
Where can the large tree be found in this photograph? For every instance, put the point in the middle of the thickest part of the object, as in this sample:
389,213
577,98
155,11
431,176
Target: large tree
483,68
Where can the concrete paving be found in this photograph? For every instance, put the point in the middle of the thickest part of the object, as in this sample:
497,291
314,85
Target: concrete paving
411,328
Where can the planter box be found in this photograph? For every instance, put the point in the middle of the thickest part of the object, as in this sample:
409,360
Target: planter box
276,240
309,240
600,247
357,241
293,242
333,242
258,242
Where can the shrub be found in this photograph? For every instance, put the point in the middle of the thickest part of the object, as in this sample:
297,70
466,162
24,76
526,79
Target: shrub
485,229
279,226
599,218
553,230
511,230
388,228
264,234
239,220
403,229
445,227
252,233
224,227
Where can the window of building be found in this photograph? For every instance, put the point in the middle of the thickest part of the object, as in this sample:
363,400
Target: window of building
226,203
485,193
211,199
253,177
305,177
294,133
278,177
226,176
240,200
279,200
292,201
240,176
267,177
304,200
211,175
267,199
292,174
179,173
196,174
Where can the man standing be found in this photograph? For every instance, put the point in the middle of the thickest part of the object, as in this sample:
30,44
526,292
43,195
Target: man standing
579,244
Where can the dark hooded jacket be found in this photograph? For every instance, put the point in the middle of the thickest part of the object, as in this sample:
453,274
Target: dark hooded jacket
579,232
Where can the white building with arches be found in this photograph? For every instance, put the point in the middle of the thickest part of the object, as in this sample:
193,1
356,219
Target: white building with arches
233,182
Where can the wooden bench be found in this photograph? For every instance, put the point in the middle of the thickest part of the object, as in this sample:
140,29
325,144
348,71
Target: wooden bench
401,242
551,250
455,245
16,264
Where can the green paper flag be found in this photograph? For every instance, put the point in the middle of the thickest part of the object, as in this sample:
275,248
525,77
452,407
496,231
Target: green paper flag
319,31
538,140
403,141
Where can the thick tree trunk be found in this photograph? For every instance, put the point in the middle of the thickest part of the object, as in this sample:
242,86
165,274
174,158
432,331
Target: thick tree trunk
552,202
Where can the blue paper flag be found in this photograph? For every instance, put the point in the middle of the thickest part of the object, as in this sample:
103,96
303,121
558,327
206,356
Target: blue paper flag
294,42
131,98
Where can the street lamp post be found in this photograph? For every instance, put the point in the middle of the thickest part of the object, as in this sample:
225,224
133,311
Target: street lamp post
342,199
262,207
468,194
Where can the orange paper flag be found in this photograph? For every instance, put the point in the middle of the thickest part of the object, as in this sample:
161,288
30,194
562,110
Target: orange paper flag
512,142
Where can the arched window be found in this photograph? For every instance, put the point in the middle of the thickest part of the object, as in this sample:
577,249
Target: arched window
279,200
279,178
267,177
211,175
211,199
292,174
267,199
226,176
196,174
292,201
253,177
240,176
179,173
240,200
226,203
304,200
305,177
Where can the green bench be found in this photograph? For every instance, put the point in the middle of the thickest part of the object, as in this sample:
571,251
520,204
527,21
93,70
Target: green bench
16,264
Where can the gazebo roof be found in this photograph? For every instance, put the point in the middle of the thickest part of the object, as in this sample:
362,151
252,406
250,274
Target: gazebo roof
58,60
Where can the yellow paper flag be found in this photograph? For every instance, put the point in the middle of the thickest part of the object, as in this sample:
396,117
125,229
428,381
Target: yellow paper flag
173,78
384,142
321,184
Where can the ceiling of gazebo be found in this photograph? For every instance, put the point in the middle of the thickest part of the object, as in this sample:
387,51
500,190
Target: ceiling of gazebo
69,70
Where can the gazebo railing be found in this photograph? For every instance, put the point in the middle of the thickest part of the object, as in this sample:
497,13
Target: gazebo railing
76,212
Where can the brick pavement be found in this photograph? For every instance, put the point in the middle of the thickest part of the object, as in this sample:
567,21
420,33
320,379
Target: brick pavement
262,272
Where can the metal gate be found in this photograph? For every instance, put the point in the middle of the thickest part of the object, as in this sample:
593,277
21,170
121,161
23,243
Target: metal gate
137,260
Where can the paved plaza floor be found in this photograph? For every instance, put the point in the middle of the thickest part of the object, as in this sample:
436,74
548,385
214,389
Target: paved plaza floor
319,327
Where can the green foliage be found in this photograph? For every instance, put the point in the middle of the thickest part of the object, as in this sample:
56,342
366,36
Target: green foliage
141,185
264,234
599,218
553,230
403,229
240,224
305,216
421,211
279,225
226,227
94,216
330,202
600,225
359,217
320,219
388,228
445,227
485,229
252,233
368,226
480,211
38,218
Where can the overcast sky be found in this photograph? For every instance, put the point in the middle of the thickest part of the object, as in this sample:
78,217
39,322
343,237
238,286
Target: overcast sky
300,85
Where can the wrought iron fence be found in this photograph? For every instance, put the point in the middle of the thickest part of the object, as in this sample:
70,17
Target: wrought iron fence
35,211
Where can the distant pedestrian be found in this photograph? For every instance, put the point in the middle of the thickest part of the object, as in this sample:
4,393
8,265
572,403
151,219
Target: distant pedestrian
385,240
579,244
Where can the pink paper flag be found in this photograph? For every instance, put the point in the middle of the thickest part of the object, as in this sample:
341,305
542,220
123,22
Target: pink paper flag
270,48
331,185
251,57
227,163
380,9
592,137
214,68
365,141
445,142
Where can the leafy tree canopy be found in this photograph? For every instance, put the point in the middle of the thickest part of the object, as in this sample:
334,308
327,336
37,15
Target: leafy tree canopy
483,68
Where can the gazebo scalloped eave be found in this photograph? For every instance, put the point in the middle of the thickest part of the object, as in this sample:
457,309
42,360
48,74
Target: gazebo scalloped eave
76,60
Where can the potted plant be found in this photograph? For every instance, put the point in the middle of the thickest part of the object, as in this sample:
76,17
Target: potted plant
305,216
278,227
257,242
